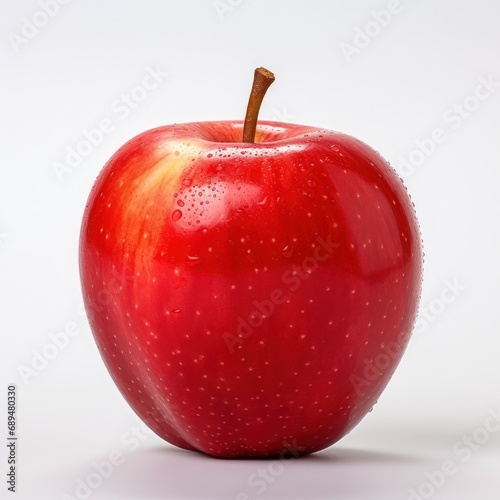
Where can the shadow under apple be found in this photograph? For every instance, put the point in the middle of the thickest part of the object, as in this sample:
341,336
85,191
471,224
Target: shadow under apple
167,472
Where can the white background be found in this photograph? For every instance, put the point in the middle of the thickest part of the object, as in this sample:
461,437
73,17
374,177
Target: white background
397,89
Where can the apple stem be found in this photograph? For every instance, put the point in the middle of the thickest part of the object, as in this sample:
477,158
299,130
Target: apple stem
262,80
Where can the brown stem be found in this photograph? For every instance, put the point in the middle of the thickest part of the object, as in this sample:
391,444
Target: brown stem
262,79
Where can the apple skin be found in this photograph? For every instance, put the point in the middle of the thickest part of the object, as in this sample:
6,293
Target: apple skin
190,237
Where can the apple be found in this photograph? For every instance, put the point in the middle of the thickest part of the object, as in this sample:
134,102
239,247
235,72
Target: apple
250,286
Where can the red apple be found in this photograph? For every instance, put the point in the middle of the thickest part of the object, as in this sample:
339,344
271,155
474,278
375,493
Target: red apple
250,299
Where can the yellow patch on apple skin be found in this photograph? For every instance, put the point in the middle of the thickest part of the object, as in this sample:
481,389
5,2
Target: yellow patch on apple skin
151,201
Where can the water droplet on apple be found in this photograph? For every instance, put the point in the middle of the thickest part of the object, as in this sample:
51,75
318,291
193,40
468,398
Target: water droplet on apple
335,148
176,313
263,201
176,215
176,153
209,155
193,260
288,250
180,203
187,182
179,284
311,183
